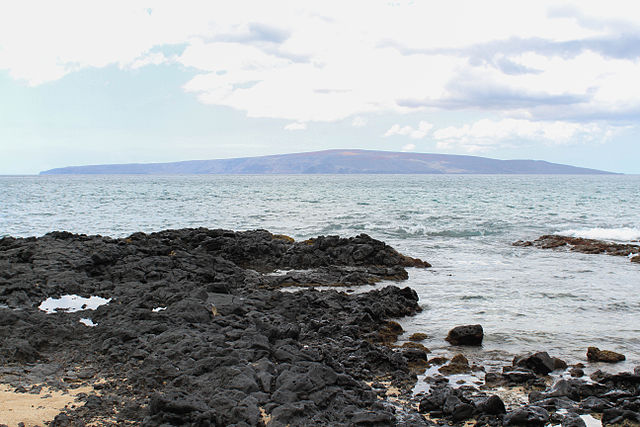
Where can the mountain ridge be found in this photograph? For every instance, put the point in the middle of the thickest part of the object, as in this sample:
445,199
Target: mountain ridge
336,161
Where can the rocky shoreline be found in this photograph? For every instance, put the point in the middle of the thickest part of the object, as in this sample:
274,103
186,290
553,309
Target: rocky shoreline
586,246
193,328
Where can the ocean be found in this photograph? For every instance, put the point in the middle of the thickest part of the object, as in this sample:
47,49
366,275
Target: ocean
527,299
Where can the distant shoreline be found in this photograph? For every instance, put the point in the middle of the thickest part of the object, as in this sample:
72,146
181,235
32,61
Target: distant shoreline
343,162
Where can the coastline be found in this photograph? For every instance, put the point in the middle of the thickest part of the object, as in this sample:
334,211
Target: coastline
196,330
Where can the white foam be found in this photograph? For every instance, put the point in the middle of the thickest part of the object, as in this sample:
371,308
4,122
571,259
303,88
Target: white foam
88,322
157,309
71,303
624,234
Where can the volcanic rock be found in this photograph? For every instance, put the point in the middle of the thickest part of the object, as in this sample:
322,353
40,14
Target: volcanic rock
540,363
594,354
587,246
195,333
527,416
466,335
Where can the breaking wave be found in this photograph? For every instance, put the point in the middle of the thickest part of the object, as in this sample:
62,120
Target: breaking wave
624,234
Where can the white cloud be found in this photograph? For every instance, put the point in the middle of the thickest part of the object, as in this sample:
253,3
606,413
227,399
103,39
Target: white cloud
419,133
409,147
359,122
484,135
296,126
155,58
327,61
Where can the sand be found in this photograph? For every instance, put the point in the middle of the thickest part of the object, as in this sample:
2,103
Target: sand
35,409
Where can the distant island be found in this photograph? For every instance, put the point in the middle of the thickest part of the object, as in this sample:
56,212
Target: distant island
336,162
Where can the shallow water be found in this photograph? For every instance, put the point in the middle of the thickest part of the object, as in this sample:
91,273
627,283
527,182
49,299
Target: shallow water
527,299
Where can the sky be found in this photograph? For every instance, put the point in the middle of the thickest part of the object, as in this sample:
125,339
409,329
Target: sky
88,82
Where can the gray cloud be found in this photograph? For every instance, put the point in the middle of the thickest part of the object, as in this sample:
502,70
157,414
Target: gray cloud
615,26
466,93
497,53
265,37
257,32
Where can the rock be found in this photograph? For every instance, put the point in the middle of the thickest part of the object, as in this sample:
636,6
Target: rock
596,404
618,416
462,412
588,246
389,333
559,364
571,419
466,335
594,354
517,375
576,372
418,336
415,345
458,365
372,418
527,416
540,363
169,358
435,400
492,405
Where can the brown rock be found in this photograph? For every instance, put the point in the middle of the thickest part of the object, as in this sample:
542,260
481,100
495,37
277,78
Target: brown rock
458,365
594,354
415,345
388,334
635,259
418,336
439,360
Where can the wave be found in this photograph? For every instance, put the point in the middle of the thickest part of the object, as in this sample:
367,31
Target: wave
623,234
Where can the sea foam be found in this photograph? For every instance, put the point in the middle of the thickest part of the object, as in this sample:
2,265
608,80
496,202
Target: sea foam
624,234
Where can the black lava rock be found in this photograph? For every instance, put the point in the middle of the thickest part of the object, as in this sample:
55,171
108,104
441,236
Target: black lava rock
466,335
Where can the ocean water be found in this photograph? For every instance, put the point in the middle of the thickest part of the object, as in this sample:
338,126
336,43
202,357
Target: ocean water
526,299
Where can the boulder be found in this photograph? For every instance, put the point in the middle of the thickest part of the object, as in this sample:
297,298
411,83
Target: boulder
466,335
594,354
540,362
571,419
527,416
492,405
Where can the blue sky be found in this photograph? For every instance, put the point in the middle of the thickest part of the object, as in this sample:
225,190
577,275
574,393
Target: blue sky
140,81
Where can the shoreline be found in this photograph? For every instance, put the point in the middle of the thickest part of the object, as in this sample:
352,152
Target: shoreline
197,330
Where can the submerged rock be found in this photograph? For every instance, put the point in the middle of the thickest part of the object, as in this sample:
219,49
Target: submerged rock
587,246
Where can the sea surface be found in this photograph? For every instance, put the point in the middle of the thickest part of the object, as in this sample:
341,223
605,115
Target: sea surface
527,299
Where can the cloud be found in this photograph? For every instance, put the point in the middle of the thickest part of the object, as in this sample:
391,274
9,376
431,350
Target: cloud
296,126
359,122
326,61
419,133
472,92
485,134
409,147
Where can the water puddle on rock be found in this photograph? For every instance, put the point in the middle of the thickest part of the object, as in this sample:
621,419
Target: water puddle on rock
87,322
72,303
